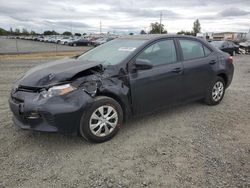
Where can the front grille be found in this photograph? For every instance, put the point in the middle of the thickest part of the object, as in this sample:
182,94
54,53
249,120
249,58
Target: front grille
29,89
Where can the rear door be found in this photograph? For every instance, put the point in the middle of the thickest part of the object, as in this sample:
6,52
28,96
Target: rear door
199,68
161,85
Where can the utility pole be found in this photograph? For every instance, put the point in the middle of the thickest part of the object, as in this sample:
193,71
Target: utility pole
160,21
100,26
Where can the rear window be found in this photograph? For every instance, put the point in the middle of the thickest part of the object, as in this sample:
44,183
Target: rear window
191,49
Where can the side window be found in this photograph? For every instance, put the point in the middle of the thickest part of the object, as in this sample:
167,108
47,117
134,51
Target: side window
207,51
191,49
162,52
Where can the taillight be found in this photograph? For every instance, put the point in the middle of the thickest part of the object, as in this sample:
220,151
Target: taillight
230,60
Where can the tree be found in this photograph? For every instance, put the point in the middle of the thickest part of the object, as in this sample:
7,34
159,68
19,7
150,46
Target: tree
3,31
143,32
84,34
67,33
157,28
131,33
78,34
185,32
17,31
196,27
25,32
33,33
50,32
47,33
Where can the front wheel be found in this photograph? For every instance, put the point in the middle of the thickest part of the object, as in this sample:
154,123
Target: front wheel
102,120
215,92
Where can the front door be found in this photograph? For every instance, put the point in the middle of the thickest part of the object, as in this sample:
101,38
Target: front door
162,84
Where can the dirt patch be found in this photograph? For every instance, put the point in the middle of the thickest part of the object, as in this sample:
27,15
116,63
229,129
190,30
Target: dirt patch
40,55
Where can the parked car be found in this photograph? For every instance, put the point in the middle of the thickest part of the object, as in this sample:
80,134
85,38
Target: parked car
94,93
40,38
245,46
100,41
79,42
66,40
58,39
46,38
226,46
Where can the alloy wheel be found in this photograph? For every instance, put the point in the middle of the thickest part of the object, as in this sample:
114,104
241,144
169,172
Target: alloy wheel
218,90
103,121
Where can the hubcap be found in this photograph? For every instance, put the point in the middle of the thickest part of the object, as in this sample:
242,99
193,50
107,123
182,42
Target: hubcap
218,90
103,121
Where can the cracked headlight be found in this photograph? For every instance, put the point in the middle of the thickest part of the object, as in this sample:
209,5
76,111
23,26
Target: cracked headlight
58,90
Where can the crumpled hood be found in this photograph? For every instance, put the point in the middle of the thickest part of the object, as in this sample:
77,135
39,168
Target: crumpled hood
54,72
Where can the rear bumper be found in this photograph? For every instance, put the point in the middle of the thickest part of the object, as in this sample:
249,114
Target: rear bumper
230,75
56,114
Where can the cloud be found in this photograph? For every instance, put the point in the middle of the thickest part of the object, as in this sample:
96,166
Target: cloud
233,12
120,15
66,24
144,12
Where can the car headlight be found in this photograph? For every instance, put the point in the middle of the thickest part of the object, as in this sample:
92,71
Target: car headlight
57,90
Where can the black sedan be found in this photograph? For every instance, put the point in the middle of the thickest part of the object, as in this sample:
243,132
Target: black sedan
79,42
94,93
226,46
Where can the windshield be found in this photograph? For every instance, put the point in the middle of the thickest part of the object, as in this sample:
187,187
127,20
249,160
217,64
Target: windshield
217,43
113,52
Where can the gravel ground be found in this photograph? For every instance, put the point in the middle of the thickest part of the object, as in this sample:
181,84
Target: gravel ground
193,145
27,46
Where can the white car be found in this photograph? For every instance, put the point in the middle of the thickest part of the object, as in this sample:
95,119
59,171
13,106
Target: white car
66,40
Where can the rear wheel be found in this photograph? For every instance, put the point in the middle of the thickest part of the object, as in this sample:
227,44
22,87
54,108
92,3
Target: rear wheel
215,92
102,120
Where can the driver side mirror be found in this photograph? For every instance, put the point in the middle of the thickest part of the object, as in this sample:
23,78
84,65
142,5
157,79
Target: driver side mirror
143,64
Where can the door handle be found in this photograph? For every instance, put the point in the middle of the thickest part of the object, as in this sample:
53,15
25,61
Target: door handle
177,70
212,62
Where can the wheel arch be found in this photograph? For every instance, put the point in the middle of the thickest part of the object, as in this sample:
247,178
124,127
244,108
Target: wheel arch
125,110
224,77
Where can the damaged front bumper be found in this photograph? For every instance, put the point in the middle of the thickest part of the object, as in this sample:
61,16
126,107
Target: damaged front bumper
55,114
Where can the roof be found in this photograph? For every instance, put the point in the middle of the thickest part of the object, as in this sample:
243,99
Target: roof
153,36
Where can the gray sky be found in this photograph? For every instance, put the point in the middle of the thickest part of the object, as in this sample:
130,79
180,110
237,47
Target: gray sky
125,15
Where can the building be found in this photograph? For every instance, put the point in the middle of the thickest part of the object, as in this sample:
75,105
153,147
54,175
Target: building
234,36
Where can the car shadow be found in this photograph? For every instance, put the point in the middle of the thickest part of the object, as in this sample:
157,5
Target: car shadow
70,142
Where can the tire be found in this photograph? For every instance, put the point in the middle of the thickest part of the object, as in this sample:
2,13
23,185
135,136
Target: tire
99,129
218,86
